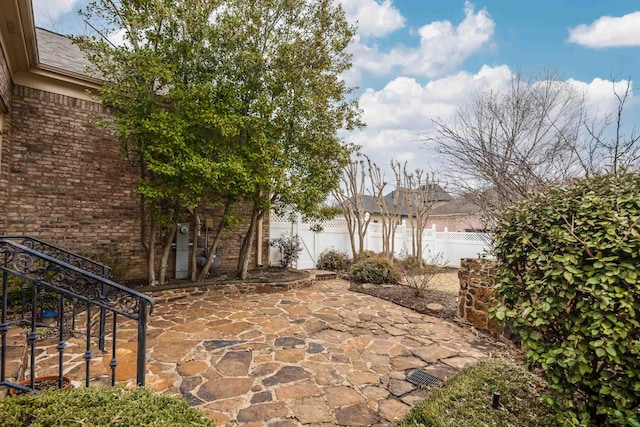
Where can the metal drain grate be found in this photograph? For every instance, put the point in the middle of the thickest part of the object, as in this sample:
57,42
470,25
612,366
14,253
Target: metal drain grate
420,377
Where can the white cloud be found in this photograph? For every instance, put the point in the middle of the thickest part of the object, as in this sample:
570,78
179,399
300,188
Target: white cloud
46,12
374,18
406,104
400,116
118,37
600,95
443,47
608,31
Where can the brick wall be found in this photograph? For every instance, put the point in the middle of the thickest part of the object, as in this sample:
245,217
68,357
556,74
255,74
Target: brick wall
66,183
5,83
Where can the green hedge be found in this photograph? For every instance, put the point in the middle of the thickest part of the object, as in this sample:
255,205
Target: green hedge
99,406
569,277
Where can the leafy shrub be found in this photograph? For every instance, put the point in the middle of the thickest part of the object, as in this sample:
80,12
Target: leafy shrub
569,277
333,260
290,248
373,270
466,398
99,406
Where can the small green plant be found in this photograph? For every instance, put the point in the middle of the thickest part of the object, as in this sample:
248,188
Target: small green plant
420,275
569,277
290,248
333,260
376,270
99,406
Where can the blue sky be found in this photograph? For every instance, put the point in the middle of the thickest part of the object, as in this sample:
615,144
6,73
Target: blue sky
418,60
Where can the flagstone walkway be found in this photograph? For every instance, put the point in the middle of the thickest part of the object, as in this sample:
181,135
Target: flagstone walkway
316,356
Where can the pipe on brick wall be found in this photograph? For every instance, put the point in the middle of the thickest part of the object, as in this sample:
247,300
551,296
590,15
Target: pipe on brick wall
259,245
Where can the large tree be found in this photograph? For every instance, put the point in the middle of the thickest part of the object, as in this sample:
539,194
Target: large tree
166,114
508,143
284,60
225,101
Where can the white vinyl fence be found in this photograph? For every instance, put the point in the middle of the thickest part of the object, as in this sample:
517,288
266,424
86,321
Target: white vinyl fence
335,235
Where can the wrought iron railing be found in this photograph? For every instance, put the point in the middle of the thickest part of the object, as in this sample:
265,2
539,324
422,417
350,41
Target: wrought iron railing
74,259
76,290
61,254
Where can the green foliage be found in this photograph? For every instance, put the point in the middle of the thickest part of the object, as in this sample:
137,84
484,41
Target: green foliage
290,248
568,275
227,100
99,406
333,260
376,270
466,398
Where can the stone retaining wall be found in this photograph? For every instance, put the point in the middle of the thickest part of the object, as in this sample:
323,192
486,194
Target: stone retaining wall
475,294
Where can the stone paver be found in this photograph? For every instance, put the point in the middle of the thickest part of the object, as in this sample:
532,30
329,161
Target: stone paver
320,355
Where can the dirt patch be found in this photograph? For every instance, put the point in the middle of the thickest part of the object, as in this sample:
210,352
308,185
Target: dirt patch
442,290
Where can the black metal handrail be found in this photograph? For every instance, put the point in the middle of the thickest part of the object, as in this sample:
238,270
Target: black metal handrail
75,284
62,255
70,258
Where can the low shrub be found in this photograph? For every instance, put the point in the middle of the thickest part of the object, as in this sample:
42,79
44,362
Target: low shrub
333,260
99,406
466,399
376,270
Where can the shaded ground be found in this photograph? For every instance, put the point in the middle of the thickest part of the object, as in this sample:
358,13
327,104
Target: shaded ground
443,290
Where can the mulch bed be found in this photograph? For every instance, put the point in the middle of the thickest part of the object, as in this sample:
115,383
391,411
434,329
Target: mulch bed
406,297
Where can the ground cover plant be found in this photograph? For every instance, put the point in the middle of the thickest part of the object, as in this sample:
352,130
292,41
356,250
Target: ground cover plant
99,406
568,276
466,399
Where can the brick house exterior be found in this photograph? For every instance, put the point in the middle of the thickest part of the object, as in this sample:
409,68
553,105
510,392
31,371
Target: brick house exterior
61,177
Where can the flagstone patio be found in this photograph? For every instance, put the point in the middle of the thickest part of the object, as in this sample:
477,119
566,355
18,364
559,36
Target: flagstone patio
321,355
316,356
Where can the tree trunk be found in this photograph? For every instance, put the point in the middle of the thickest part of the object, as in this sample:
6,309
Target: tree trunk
216,240
151,254
247,244
166,251
195,226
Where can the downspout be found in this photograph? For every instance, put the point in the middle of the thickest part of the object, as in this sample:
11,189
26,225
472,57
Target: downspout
259,245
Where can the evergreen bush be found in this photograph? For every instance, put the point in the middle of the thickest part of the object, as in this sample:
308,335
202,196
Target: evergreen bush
569,278
333,260
375,270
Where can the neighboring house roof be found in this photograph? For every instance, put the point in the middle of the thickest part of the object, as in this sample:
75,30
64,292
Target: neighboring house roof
437,196
58,51
463,205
